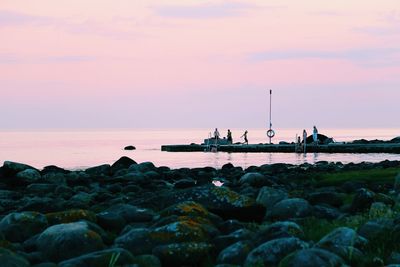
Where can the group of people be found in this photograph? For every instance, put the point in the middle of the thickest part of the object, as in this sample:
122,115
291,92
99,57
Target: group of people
315,137
229,136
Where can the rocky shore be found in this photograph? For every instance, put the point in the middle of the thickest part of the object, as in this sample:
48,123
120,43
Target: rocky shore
129,214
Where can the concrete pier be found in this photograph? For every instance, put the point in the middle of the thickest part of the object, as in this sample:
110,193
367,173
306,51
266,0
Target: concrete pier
290,148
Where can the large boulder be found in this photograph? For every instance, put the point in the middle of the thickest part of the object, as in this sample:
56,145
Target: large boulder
313,257
138,241
65,241
28,176
100,170
11,168
70,216
19,226
269,196
291,208
122,163
272,252
362,200
235,254
256,179
278,230
102,258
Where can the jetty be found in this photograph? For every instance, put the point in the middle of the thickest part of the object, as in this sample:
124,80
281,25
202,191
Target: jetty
290,148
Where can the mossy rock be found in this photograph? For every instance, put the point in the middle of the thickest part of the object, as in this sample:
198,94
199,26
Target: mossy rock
183,254
70,216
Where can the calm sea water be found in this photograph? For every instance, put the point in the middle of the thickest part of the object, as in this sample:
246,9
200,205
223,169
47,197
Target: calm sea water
79,149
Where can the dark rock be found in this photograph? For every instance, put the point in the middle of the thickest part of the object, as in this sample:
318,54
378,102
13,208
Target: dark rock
103,258
291,208
278,230
70,216
41,189
272,252
122,163
11,168
104,169
256,179
131,213
129,148
377,229
235,253
362,200
53,169
394,258
181,254
28,176
326,212
312,257
56,178
184,183
224,241
11,259
65,241
138,241
269,196
330,198
230,226
18,227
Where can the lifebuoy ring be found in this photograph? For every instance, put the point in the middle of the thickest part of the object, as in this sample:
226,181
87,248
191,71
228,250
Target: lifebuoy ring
270,133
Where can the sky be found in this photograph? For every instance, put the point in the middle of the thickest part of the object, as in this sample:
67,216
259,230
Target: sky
199,64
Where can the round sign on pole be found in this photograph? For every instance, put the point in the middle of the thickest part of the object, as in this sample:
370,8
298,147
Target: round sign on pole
270,133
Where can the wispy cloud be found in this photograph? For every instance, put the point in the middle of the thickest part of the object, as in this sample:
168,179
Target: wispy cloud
88,27
389,25
8,58
371,57
204,10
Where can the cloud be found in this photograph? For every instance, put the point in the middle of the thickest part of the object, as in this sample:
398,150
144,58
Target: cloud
10,18
371,57
203,11
391,25
6,59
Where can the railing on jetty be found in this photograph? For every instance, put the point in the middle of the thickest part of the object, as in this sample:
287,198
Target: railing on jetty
290,148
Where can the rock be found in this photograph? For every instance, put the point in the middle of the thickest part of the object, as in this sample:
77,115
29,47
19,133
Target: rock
221,201
70,216
344,242
362,200
28,176
103,258
18,227
122,163
138,241
224,241
142,167
100,170
330,198
11,259
256,179
11,168
147,261
375,229
56,178
394,258
313,257
41,189
269,196
272,252
131,213
53,169
181,254
379,209
65,241
129,148
278,230
326,212
235,254
291,208
184,183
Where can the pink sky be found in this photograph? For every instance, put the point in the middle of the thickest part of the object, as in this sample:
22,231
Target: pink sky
92,63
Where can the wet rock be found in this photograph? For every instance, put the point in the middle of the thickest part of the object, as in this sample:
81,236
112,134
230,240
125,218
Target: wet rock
18,227
129,148
379,209
326,212
41,189
377,229
223,241
131,213
65,241
272,252
291,208
330,198
184,183
102,258
138,241
181,254
313,257
56,178
235,254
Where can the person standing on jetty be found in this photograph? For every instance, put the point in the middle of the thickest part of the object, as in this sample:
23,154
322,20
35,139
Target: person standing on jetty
216,134
315,135
245,138
304,140
229,137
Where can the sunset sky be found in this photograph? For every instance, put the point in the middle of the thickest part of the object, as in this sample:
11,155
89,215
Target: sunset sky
157,64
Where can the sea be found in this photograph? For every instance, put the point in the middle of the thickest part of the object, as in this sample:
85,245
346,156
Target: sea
80,149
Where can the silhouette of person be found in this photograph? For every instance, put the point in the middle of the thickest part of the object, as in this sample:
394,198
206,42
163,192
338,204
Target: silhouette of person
315,135
229,137
216,134
245,138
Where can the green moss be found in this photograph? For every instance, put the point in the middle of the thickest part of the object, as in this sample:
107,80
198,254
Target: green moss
369,176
